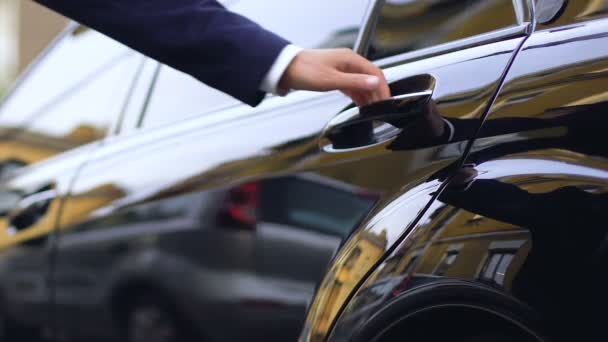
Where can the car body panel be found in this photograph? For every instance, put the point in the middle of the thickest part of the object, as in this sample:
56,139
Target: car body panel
26,251
399,211
525,216
231,218
31,133
47,133
204,267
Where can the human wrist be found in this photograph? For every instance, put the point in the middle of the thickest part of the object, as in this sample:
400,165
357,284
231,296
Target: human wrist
272,82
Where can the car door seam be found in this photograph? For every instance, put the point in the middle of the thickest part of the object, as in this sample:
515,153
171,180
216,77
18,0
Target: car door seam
413,224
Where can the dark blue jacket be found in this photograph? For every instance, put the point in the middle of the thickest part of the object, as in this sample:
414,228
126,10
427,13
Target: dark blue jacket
199,37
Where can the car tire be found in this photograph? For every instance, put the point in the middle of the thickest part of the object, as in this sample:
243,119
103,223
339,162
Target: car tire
11,331
443,330
462,336
491,338
150,318
453,310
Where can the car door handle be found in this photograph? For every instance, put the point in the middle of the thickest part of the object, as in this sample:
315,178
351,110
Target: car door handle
30,209
375,123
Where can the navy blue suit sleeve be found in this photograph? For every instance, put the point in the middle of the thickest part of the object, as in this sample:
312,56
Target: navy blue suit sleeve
199,37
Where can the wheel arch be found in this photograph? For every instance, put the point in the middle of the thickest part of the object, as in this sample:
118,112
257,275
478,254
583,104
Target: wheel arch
422,306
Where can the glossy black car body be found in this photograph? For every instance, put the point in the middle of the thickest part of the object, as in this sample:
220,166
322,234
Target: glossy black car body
471,206
511,242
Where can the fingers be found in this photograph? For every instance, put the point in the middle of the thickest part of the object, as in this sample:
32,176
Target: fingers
374,86
360,99
362,89
337,69
353,82
352,62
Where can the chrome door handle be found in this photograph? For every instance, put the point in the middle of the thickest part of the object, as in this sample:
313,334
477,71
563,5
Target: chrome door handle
358,127
30,210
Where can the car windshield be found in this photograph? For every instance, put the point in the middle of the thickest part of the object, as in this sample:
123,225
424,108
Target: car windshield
310,23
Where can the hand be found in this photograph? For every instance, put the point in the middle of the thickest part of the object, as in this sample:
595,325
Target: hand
336,69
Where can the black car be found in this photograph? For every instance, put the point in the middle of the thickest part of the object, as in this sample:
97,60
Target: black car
139,205
498,229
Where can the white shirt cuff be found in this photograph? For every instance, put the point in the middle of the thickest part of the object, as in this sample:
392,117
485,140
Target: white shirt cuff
270,83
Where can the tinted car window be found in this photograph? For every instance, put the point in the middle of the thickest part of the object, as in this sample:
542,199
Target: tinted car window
408,25
318,23
315,206
70,98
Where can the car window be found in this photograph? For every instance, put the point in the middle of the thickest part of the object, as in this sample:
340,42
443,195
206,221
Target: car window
70,98
177,96
408,25
314,206
313,23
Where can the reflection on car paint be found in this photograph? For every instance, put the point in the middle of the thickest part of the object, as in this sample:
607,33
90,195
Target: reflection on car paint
525,214
427,140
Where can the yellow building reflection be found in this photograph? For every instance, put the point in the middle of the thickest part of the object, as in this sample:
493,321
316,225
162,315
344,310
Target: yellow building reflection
462,245
24,148
75,210
360,256
28,147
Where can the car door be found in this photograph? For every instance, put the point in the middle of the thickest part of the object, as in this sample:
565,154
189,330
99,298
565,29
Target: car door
50,122
419,41
217,220
523,221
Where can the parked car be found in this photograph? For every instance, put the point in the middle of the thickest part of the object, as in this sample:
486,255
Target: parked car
509,241
140,205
